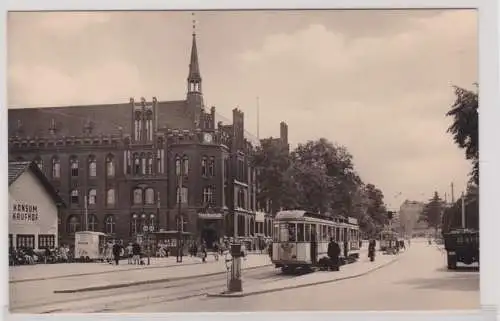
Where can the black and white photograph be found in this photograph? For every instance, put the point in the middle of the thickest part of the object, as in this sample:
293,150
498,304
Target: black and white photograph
243,160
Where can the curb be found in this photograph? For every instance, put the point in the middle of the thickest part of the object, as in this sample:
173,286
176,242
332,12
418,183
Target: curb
242,294
106,272
98,273
145,282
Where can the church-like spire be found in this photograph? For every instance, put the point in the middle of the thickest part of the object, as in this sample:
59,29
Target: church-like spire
194,76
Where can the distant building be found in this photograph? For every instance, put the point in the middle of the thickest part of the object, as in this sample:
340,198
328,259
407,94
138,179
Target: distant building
33,208
409,214
131,164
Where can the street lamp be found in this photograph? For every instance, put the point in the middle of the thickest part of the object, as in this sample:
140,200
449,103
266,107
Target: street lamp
180,221
148,229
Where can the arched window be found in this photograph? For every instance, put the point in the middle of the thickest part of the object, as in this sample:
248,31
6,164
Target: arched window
178,166
74,166
39,162
204,166
73,224
92,223
211,167
110,197
92,196
208,195
149,165
137,164
138,196
92,166
150,196
109,224
56,168
74,199
110,166
185,165
134,224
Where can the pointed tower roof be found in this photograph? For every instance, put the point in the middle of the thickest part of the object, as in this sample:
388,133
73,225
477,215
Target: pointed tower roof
194,67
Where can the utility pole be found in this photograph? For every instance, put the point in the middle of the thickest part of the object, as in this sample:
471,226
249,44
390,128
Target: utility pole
452,194
463,210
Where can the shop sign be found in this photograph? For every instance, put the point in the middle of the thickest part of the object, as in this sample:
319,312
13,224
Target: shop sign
210,216
24,212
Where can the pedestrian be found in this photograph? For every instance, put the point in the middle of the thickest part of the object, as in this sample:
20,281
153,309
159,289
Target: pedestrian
116,252
371,249
130,253
314,248
333,254
203,251
136,253
216,251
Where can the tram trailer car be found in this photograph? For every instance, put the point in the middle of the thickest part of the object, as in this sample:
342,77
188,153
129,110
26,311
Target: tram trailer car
294,229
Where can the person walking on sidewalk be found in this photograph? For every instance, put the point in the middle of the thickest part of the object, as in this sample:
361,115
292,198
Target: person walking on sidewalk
136,253
117,249
203,251
333,254
130,253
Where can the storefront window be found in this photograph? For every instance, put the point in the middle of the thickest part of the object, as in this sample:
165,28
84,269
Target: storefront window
46,241
25,241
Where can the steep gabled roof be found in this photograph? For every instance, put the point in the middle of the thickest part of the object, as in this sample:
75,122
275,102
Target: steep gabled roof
16,169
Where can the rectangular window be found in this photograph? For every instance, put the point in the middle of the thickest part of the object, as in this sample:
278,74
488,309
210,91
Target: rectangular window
300,232
25,241
11,242
47,240
324,233
307,232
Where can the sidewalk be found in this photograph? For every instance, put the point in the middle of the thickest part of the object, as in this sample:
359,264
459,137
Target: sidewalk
362,267
38,272
145,275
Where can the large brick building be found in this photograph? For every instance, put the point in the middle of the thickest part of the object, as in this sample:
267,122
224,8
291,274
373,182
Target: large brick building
124,163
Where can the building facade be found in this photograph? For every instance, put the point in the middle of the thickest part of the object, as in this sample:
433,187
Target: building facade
33,208
161,163
409,214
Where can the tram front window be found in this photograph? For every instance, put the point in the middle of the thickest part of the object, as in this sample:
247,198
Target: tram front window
288,232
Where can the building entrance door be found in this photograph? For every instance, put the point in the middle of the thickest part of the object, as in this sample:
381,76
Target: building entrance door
209,236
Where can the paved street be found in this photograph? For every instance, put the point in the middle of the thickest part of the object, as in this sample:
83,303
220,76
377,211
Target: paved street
418,281
39,292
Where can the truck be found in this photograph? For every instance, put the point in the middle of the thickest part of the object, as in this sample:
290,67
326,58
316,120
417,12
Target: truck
461,231
461,245
89,246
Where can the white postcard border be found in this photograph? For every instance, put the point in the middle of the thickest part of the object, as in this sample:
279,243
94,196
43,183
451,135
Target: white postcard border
489,156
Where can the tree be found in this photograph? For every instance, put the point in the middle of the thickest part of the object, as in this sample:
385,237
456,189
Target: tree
465,127
273,164
433,211
376,208
335,163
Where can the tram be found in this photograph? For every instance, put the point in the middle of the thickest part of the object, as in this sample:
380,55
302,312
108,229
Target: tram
388,239
294,230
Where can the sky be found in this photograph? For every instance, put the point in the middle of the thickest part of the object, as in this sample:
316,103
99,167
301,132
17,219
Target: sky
376,81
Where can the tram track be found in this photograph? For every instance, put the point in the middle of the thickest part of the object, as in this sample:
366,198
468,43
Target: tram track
135,296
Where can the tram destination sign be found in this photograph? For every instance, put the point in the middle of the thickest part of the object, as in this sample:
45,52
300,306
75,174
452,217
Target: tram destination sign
24,212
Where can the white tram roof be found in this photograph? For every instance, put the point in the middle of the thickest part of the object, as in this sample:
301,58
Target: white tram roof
300,214
290,215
